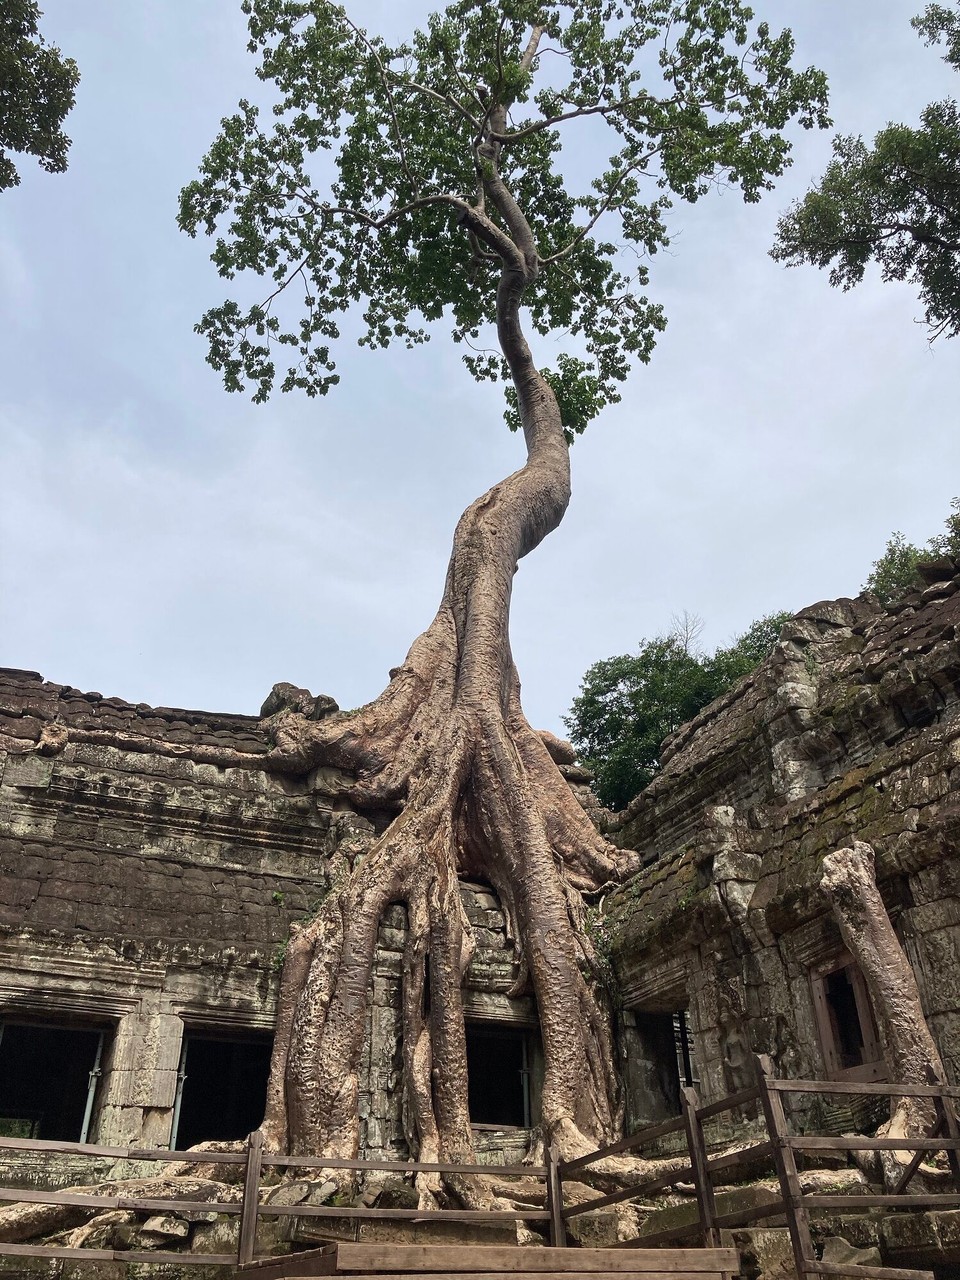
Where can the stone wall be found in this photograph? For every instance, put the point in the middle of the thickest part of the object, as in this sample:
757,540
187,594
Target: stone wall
850,730
149,895
142,891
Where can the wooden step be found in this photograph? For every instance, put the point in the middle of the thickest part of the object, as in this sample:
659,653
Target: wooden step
486,1259
566,1274
308,1263
493,1262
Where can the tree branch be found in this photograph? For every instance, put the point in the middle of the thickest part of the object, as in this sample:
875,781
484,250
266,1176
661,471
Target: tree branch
445,98
585,231
362,36
517,135
474,219
526,61
923,237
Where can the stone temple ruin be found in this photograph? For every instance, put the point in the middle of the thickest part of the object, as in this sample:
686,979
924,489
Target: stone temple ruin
145,899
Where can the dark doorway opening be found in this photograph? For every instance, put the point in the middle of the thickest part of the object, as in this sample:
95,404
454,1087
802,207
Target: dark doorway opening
221,1089
845,1023
847,1030
845,1016
48,1079
499,1061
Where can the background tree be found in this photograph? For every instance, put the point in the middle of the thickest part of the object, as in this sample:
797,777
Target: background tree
37,90
628,705
896,204
896,571
416,183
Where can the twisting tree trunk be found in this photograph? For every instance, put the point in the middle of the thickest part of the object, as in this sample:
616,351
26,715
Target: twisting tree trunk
475,792
480,795
418,133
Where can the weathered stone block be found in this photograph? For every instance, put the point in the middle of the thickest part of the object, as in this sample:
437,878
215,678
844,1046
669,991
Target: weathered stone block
678,1216
164,1228
909,1239
765,1252
839,1251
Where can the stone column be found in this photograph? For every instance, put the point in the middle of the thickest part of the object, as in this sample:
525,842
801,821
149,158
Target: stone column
140,1080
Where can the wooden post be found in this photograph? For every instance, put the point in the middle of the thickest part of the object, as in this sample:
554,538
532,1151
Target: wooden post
706,1205
558,1231
251,1199
952,1128
797,1218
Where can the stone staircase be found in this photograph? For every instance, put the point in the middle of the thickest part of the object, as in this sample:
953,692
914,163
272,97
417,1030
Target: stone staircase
494,1262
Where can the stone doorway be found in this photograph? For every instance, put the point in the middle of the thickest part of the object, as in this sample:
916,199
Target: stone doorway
501,1063
221,1088
48,1080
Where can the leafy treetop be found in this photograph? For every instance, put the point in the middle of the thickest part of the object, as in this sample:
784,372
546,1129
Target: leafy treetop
367,181
37,89
628,705
896,203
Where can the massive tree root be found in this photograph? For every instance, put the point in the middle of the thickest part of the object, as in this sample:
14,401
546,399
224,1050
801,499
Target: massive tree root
476,794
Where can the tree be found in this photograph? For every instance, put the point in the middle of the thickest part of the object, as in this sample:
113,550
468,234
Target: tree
897,570
628,705
37,90
896,204
421,183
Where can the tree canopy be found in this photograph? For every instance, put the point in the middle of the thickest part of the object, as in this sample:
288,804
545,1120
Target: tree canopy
629,704
693,92
37,90
896,203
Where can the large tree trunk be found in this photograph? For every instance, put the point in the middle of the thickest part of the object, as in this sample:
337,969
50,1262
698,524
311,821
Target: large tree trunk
476,793
849,881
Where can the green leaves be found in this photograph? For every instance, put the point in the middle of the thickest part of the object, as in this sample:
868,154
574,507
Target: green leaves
628,705
896,572
37,90
896,204
369,182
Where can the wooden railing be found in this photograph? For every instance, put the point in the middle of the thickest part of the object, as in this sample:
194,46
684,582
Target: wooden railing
780,1147
943,1135
249,1208
699,1167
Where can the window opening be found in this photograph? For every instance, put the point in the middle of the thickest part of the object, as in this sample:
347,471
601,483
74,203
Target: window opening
221,1090
499,1075
842,1003
847,1029
48,1080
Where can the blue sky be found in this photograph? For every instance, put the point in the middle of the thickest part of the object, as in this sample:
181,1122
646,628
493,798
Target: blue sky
168,543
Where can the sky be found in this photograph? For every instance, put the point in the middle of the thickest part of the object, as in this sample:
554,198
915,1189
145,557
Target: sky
168,543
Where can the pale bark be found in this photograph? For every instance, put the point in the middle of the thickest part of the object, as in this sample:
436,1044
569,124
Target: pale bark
849,881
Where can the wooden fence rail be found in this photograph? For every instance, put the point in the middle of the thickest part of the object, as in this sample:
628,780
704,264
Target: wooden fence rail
780,1146
249,1208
